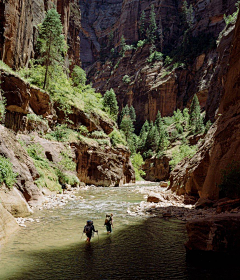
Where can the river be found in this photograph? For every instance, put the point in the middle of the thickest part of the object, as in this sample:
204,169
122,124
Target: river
141,246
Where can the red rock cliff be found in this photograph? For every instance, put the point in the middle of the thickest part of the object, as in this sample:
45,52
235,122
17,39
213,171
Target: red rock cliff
202,174
18,28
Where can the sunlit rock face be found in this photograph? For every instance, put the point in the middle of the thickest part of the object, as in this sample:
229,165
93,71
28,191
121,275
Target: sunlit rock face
18,28
104,167
152,87
7,224
202,174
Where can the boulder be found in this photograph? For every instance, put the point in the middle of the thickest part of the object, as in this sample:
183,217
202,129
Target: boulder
7,223
163,184
203,203
14,202
214,234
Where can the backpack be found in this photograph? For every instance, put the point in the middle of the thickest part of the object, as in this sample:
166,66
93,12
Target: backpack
88,229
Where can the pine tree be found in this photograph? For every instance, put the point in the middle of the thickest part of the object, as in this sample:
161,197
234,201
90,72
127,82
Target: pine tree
51,43
125,112
142,25
127,127
152,138
132,113
160,34
110,103
152,26
195,119
143,136
159,122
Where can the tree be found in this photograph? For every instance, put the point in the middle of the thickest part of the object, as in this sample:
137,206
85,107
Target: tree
51,43
159,122
152,138
132,113
195,119
160,34
127,127
78,76
125,112
152,26
110,103
142,25
188,14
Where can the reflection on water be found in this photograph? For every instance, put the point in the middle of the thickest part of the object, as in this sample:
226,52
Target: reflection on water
139,247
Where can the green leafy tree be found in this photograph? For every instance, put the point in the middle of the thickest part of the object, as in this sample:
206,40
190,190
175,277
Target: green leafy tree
110,103
78,76
51,44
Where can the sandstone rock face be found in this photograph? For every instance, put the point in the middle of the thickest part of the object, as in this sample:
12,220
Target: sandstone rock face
14,202
202,174
23,99
153,87
103,167
156,169
22,165
18,29
216,234
7,224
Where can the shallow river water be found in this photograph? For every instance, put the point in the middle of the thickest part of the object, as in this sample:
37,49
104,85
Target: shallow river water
140,247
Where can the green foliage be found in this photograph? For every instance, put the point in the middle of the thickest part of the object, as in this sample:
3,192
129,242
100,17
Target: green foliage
151,31
99,134
7,175
142,25
232,18
230,183
141,43
79,76
60,133
195,120
132,114
168,60
188,14
51,44
184,151
117,138
208,125
155,56
83,130
126,79
138,162
110,103
127,127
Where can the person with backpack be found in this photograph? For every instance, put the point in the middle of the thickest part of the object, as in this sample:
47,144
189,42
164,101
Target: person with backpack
109,223
89,229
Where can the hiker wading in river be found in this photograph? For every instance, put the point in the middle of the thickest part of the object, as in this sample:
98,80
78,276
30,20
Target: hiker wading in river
109,223
89,229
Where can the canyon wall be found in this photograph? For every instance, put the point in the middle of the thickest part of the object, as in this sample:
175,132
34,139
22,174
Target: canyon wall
202,174
152,87
19,22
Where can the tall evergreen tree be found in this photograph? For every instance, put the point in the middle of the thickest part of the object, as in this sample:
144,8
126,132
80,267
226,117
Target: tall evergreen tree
160,34
132,113
125,112
127,127
152,26
142,25
152,138
51,43
110,103
122,45
195,119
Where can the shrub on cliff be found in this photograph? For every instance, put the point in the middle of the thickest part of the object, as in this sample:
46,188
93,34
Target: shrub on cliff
137,162
7,175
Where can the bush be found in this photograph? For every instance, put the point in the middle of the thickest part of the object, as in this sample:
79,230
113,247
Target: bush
230,183
141,43
155,56
184,151
126,79
137,162
117,137
7,175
